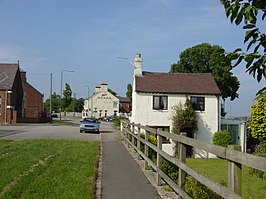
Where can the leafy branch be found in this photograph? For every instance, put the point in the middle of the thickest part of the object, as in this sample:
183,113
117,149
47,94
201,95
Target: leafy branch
247,12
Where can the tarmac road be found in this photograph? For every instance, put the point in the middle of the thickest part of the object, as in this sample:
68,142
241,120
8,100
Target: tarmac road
45,131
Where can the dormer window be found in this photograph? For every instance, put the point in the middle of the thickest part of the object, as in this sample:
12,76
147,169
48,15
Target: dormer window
160,102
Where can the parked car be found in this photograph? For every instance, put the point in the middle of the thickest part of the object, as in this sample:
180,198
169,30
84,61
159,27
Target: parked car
90,125
54,115
107,118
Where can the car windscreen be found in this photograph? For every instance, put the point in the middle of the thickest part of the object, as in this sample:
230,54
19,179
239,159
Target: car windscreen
90,120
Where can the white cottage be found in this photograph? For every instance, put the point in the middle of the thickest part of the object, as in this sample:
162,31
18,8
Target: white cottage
154,95
101,104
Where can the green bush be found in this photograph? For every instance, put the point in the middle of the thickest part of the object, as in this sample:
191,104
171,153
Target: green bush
260,151
197,190
222,138
168,168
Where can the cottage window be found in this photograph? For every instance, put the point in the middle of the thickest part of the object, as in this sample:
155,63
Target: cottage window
198,103
115,105
160,102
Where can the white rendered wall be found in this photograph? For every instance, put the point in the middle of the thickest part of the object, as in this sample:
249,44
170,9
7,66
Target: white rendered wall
208,120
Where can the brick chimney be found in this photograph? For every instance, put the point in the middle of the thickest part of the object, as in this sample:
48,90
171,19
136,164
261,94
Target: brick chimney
138,65
23,76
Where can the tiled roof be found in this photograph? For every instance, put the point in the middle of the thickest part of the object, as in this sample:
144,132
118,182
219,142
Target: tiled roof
181,83
123,99
7,75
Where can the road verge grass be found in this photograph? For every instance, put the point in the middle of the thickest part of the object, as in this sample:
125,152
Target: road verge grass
216,169
48,168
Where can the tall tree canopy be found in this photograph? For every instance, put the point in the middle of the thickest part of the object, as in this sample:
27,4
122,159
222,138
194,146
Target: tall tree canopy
203,58
67,96
251,14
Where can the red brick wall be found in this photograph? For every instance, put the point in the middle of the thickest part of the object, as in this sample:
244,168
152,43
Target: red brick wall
34,101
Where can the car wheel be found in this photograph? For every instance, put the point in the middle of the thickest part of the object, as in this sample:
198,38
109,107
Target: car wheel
80,131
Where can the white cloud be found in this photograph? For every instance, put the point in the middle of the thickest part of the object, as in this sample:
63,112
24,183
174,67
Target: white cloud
9,54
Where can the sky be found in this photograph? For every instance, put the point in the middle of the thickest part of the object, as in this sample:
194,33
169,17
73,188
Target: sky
87,36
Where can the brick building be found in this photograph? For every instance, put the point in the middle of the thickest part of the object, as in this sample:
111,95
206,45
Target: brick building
19,101
11,93
32,99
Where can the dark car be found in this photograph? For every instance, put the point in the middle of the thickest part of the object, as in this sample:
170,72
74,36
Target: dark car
90,125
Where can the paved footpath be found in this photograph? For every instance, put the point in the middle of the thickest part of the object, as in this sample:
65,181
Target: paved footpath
121,176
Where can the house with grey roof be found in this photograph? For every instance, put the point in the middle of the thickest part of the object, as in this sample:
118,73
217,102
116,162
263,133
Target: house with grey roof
154,95
19,100
11,93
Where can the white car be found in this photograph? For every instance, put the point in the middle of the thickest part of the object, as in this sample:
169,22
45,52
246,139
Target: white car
90,125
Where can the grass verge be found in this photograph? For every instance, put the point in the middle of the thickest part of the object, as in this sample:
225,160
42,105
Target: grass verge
216,169
48,168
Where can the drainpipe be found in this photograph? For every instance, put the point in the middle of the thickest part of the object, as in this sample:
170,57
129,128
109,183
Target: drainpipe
219,113
6,106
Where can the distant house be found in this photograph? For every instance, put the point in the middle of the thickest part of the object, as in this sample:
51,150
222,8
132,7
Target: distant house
154,95
124,106
101,104
11,93
19,101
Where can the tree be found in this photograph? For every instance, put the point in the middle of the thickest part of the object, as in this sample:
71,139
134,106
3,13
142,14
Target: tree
112,92
203,58
129,93
55,103
258,118
184,120
76,105
247,13
67,96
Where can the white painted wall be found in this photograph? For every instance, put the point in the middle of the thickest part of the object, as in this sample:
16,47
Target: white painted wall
101,103
208,120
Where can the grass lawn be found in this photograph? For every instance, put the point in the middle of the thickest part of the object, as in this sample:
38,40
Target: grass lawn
216,169
48,168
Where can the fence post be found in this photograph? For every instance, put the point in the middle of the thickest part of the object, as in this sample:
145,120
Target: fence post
159,160
182,158
121,125
235,173
138,142
146,148
129,136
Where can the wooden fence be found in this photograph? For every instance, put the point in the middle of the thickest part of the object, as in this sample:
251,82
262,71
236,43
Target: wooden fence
131,133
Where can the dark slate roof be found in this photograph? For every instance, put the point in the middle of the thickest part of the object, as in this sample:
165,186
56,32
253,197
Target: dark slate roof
123,99
177,83
7,75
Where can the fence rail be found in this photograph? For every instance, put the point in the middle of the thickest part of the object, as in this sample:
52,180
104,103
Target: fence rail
235,160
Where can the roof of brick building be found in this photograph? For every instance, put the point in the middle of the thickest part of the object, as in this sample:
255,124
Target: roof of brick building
7,75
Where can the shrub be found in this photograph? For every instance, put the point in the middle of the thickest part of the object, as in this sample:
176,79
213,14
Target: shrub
222,138
198,191
260,151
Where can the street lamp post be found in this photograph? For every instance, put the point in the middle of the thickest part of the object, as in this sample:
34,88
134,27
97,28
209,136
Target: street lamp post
62,72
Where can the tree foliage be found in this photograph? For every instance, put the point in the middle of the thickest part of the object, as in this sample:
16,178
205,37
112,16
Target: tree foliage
55,103
184,118
258,118
260,151
76,105
129,93
203,58
67,96
112,92
248,13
